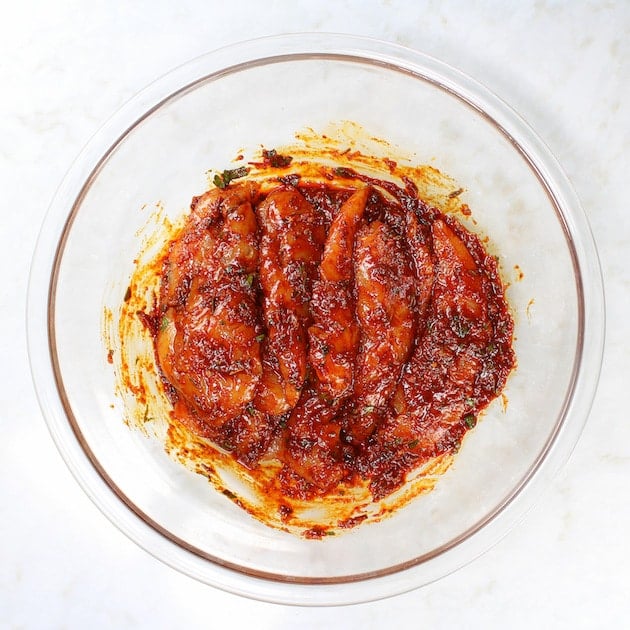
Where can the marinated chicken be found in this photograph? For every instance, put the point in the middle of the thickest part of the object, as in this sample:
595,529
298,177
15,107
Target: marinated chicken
344,330
208,338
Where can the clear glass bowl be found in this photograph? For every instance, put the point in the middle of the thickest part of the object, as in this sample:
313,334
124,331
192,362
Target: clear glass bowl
157,148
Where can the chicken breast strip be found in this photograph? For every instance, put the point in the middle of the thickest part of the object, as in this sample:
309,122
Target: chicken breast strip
386,311
291,244
313,447
208,339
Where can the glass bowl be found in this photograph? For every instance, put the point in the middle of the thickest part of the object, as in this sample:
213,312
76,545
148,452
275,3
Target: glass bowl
156,150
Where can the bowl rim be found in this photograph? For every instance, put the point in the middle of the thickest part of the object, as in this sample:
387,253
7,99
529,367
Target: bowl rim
151,536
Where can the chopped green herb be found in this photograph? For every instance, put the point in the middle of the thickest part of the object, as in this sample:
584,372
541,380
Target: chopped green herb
249,280
221,180
324,396
470,402
249,408
260,338
164,323
368,409
469,420
413,444
146,417
329,532
459,326
275,160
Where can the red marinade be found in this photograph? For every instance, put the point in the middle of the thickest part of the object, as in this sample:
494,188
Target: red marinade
349,331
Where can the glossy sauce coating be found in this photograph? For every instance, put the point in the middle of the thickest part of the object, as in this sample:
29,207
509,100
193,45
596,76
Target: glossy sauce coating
291,240
207,335
347,332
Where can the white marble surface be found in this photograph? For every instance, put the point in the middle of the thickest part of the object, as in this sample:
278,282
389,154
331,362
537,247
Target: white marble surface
65,66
